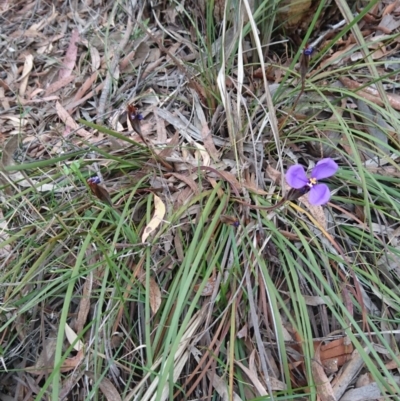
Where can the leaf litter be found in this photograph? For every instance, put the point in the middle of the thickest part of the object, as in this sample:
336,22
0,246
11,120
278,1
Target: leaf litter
65,65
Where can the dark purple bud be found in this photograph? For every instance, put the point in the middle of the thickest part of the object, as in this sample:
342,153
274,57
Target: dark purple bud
93,180
308,51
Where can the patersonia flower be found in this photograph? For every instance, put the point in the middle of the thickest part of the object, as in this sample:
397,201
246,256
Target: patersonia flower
319,193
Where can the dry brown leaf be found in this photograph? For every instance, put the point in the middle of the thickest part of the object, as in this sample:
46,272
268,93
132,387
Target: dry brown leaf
6,250
179,248
173,142
125,62
316,211
155,295
339,351
70,122
208,141
45,362
324,388
154,65
243,332
4,101
235,184
157,219
364,379
106,387
386,171
221,387
84,305
202,153
188,181
370,93
314,300
73,338
116,340
378,50
370,392
85,87
388,24
250,184
72,363
43,22
182,197
294,13
393,364
337,57
70,56
28,65
69,383
162,136
171,13
209,287
55,86
351,370
141,54
7,158
219,10
389,8
215,185
154,290
15,121
376,55
204,128
95,59
76,103
274,174
276,385
35,92
253,376
25,102
4,6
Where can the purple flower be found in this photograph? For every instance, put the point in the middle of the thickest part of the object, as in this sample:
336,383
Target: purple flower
319,193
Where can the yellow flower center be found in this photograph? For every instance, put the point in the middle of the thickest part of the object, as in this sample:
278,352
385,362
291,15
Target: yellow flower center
312,182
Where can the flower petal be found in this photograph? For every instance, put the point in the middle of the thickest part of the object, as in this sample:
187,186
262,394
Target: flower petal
319,194
296,176
325,168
